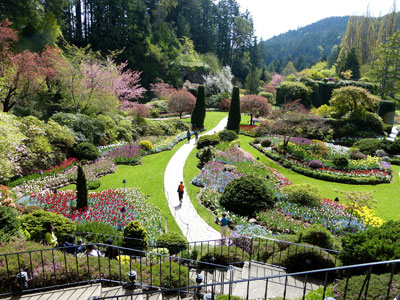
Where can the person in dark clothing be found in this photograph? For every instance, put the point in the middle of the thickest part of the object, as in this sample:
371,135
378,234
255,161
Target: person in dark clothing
111,251
188,135
71,248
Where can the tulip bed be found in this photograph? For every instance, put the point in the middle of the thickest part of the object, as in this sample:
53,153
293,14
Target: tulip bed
113,207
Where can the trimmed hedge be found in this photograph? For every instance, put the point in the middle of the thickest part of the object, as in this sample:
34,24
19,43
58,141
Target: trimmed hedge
386,111
224,255
173,241
208,140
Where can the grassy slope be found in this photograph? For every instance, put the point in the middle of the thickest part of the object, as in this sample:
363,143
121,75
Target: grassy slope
149,176
387,207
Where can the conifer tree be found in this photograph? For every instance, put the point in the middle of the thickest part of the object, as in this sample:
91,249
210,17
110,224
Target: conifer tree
234,111
351,63
81,189
199,110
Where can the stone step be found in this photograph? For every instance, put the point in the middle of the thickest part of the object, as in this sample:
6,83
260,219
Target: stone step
74,293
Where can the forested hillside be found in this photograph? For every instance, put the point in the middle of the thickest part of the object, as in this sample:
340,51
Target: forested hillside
306,45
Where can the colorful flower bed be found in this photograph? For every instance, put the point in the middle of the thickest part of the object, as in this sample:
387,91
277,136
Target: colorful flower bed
278,222
249,130
126,154
233,156
93,172
113,207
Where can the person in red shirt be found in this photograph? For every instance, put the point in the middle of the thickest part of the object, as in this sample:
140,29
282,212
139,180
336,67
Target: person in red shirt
181,188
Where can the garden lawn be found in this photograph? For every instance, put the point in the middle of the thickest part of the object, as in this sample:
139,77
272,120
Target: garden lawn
149,176
387,195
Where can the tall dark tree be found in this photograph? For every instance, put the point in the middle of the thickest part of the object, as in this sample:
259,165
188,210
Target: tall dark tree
199,110
81,189
234,116
351,63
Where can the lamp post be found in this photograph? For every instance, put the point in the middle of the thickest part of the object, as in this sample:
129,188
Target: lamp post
124,182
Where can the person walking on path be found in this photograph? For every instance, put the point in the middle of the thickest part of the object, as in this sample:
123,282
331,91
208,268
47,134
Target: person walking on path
224,225
188,135
196,136
181,189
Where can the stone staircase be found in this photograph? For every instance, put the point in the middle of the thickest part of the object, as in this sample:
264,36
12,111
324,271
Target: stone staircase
275,287
393,134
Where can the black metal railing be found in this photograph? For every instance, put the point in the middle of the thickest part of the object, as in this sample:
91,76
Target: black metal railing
38,270
245,288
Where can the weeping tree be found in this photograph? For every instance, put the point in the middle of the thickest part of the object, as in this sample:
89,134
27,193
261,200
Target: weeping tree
81,189
234,111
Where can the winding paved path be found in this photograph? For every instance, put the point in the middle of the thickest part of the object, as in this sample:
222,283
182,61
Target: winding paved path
191,224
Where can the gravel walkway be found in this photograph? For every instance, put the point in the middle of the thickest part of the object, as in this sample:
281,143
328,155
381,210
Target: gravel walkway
191,224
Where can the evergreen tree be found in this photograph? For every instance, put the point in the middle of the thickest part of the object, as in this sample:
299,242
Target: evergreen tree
351,63
253,80
199,110
234,116
81,189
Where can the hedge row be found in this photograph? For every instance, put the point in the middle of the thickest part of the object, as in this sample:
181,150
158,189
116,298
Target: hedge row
318,175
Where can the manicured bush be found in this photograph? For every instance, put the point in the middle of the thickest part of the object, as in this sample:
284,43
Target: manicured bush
205,155
291,91
93,185
81,189
392,147
377,289
386,111
223,255
227,135
199,110
208,140
173,241
304,194
234,116
105,231
367,146
317,235
135,237
266,143
9,223
372,244
357,155
315,164
341,161
35,224
86,151
247,195
146,145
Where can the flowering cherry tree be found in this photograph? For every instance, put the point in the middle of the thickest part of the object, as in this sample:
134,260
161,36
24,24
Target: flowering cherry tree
161,89
181,101
255,106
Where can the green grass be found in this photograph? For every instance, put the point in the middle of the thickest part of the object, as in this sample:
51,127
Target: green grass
149,176
387,195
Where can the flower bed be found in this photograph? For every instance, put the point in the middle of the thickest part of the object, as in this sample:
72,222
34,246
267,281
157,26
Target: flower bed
278,222
93,172
249,130
126,154
113,207
368,171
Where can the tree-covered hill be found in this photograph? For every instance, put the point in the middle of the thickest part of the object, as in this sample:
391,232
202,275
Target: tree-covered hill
307,44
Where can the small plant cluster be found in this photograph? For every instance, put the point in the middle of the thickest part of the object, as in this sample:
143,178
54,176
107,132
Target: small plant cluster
113,207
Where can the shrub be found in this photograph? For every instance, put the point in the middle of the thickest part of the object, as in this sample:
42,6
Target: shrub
373,244
341,161
291,91
135,237
205,155
224,104
199,110
86,151
304,194
35,224
317,235
105,231
367,146
234,116
377,289
208,140
173,241
315,164
9,223
227,297
223,255
227,135
146,145
152,256
172,275
266,143
81,189
357,155
30,209
247,195
392,148
93,185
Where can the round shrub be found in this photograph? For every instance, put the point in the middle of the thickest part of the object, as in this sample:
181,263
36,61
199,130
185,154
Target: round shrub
146,145
86,151
317,235
135,237
35,224
247,195
223,255
173,241
93,185
208,140
367,146
304,194
105,231
266,143
357,155
227,135
9,223
341,161
315,164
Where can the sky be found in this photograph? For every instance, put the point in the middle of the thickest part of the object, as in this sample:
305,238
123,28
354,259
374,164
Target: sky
278,16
